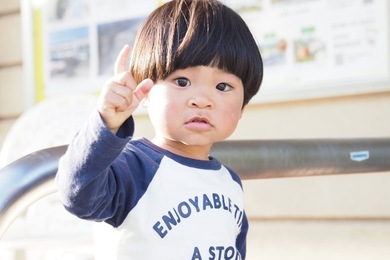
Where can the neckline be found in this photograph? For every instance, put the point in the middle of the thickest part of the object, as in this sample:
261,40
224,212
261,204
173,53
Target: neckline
211,164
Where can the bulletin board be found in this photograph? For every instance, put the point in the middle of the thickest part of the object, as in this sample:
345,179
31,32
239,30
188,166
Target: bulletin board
310,48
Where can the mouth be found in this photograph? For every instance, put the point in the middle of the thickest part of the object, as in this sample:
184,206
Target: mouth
199,120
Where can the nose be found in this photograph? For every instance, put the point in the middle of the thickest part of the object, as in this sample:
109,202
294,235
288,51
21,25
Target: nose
201,99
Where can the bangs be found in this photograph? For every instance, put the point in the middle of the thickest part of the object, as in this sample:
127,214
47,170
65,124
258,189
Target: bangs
217,41
213,37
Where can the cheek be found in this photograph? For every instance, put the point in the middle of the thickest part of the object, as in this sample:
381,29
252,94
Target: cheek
239,112
162,109
232,117
235,110
235,117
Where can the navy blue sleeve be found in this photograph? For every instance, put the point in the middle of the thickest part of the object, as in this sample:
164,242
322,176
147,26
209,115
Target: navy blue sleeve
89,183
241,238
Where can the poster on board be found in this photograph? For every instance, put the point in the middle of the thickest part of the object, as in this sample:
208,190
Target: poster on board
322,47
81,39
310,48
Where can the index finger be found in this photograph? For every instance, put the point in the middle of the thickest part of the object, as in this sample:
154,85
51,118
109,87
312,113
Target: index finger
120,63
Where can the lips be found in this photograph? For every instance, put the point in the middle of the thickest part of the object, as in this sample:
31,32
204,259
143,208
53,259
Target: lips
199,120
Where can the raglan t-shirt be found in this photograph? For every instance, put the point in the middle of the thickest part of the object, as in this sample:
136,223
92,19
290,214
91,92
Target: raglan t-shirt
159,205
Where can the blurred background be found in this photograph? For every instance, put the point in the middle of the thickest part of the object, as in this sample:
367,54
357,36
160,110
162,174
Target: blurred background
329,217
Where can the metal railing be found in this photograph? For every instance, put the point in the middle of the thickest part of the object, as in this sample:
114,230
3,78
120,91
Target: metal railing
31,177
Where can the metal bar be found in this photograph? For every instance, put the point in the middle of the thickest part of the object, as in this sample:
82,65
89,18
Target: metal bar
25,181
259,159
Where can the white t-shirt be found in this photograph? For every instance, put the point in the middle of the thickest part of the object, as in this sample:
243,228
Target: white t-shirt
158,205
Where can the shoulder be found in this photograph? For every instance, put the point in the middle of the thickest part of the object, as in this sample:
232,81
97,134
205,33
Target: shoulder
234,175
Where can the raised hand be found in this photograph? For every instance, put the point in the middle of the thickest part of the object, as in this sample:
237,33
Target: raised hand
121,95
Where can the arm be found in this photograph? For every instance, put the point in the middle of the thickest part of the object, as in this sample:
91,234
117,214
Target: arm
90,184
88,181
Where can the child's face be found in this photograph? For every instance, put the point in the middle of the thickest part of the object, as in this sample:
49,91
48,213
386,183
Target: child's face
196,106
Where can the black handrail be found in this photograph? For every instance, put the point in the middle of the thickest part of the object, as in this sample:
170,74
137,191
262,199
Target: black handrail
25,181
31,177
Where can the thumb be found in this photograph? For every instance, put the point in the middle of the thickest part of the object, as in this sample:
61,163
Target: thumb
143,89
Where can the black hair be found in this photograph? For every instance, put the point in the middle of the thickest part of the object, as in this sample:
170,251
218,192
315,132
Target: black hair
188,33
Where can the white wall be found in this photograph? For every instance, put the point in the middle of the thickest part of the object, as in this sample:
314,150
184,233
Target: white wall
11,72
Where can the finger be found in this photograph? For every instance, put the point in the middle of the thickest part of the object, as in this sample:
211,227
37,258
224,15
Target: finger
120,63
125,79
116,97
143,89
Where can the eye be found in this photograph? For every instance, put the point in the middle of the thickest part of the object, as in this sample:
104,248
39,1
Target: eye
182,82
224,87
